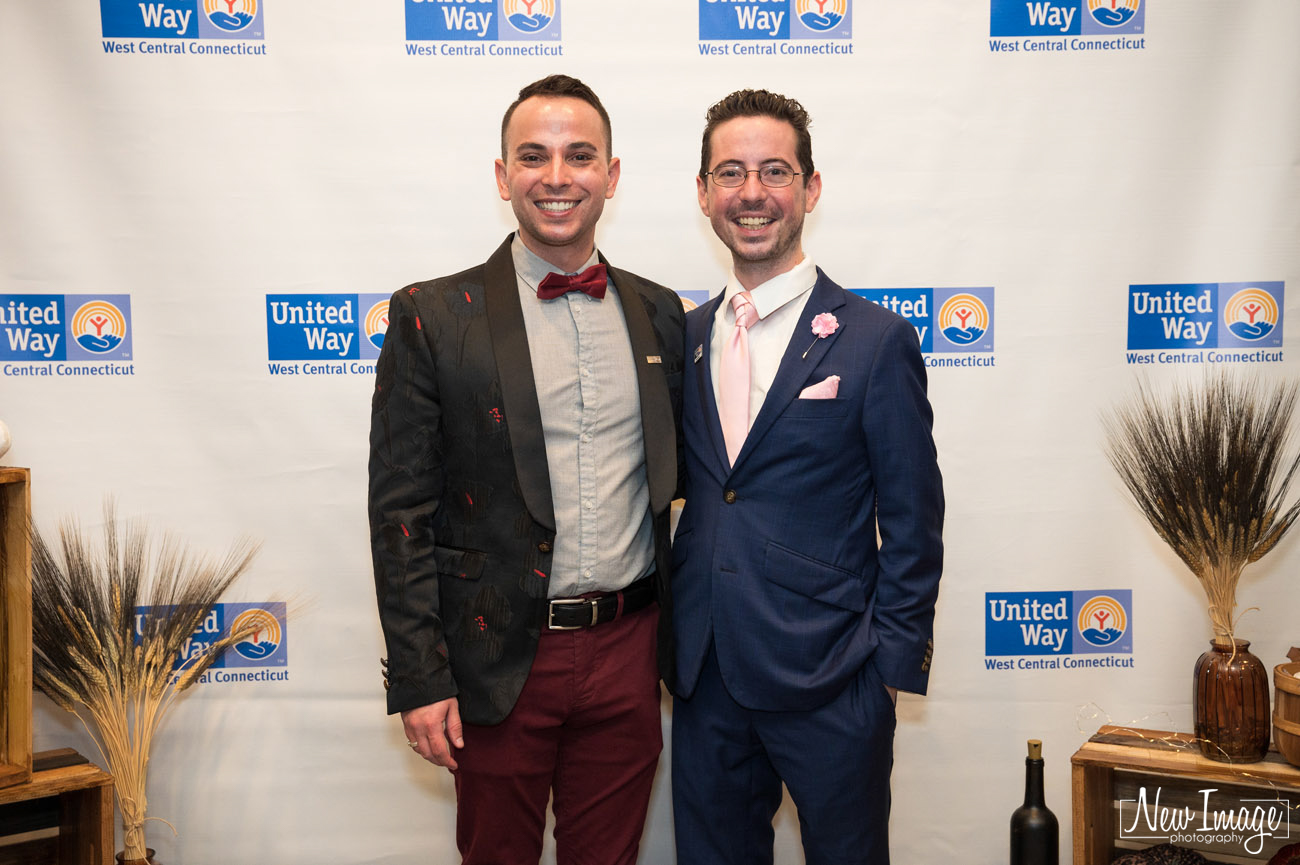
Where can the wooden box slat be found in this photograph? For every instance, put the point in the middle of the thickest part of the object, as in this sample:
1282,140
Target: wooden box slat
1116,762
85,796
15,627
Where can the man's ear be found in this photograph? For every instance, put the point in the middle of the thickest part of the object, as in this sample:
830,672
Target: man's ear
503,188
615,170
812,192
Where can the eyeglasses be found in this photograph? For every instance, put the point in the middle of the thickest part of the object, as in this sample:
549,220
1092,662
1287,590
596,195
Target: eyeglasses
774,176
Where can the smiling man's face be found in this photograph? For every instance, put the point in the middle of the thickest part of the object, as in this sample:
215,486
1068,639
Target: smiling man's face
761,225
556,174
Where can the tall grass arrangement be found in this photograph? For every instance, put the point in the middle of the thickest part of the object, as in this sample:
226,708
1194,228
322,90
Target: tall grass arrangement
116,670
1207,466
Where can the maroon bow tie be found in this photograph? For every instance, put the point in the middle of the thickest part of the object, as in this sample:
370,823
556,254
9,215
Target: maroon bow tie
591,281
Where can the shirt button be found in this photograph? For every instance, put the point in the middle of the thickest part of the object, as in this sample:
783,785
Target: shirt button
729,497
586,372
544,547
587,505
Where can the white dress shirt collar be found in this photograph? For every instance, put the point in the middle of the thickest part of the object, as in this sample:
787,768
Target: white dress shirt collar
776,292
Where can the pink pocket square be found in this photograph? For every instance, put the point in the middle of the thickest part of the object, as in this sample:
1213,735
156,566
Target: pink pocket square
827,389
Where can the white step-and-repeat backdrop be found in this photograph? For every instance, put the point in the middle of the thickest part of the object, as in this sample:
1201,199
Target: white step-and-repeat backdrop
205,203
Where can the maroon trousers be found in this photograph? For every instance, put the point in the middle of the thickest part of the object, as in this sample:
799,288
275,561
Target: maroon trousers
586,728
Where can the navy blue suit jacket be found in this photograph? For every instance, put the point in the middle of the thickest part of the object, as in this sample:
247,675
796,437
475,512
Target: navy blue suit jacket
776,558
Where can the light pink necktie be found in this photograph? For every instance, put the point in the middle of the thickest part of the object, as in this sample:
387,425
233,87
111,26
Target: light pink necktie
733,377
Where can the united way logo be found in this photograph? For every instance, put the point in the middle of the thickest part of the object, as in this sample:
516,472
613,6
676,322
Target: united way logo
964,319
98,326
1250,314
231,15
1102,621
528,16
265,646
821,16
1207,315
1014,18
482,20
377,323
1112,14
181,19
775,20
693,297
1058,623
57,327
326,327
266,637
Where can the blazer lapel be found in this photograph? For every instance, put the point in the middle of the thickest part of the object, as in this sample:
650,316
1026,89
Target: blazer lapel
699,335
792,375
518,388
656,406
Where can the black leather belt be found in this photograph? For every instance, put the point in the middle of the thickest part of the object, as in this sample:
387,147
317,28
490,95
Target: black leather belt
569,614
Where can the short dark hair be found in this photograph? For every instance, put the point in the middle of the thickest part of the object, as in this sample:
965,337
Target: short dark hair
560,86
760,103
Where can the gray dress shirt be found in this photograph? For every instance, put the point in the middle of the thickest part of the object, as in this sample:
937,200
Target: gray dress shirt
591,420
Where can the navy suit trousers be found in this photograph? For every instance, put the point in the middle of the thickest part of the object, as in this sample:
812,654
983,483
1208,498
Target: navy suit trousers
729,763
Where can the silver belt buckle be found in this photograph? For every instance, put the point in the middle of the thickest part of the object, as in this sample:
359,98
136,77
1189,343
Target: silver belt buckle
550,613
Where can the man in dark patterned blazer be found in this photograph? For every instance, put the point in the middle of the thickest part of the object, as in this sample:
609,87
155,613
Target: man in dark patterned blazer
523,459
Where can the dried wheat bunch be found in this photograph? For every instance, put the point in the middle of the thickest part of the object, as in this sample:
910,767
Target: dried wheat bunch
1207,467
114,668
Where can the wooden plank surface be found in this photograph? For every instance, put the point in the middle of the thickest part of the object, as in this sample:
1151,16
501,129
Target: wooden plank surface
1117,761
1176,753
85,793
86,834
15,627
56,782
1092,814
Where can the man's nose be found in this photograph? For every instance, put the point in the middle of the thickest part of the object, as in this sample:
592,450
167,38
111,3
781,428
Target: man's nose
557,173
752,189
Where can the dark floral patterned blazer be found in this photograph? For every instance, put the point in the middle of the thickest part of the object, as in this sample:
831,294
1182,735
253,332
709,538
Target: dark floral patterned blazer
461,519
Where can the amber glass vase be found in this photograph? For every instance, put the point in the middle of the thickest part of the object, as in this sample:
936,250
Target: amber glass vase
1230,703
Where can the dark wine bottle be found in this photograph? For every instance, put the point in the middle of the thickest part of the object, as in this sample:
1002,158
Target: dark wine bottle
1034,831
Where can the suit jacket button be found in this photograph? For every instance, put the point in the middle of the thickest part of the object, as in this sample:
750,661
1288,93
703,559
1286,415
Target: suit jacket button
729,497
544,547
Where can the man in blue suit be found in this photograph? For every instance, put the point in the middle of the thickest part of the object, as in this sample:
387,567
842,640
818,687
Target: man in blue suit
807,560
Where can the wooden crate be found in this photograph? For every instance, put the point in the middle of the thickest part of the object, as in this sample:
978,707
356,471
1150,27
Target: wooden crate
1110,771
79,810
15,628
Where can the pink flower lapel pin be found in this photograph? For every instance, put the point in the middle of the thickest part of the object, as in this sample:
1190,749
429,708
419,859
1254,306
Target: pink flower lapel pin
823,325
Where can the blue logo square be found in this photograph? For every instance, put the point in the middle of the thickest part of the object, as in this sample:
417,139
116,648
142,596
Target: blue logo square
99,326
312,327
453,20
914,304
156,19
1036,17
372,325
1250,314
1103,622
1173,316
963,318
1114,17
766,20
33,327
822,19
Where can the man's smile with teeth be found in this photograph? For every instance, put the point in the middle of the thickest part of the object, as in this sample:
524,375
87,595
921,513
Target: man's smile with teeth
754,221
557,206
